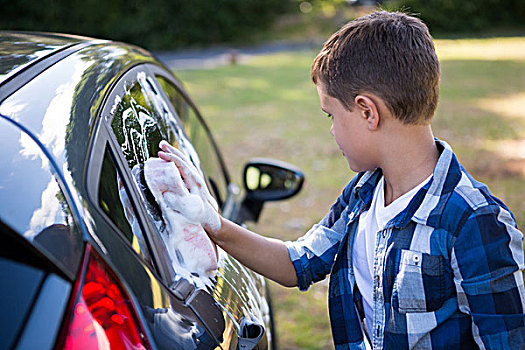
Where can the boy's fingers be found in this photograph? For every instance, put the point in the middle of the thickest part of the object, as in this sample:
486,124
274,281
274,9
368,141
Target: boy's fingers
201,184
165,146
187,169
184,169
184,159
166,156
170,157
174,155
213,202
181,165
178,186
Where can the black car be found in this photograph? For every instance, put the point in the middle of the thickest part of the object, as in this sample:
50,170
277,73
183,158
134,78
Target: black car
83,264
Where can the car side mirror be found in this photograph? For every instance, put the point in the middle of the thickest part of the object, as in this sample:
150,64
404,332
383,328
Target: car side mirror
271,180
268,180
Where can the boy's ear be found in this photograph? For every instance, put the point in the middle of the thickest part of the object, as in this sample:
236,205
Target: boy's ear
369,111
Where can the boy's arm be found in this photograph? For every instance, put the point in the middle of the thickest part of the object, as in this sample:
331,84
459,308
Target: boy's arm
300,263
266,256
488,263
312,255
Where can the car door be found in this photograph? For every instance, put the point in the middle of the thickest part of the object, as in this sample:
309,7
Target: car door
173,320
238,283
137,116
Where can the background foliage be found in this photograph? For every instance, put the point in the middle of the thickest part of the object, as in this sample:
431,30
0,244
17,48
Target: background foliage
168,24
464,15
153,24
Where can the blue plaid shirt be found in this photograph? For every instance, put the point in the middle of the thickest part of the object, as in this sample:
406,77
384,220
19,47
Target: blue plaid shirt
447,269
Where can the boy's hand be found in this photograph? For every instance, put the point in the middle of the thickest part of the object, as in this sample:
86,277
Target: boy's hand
196,185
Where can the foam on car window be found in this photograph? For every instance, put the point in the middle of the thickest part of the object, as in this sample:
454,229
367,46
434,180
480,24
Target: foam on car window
114,199
188,244
141,119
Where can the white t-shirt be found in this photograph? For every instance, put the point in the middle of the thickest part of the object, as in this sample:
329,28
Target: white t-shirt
370,222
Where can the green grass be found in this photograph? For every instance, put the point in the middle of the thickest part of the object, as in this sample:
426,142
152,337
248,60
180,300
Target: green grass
268,107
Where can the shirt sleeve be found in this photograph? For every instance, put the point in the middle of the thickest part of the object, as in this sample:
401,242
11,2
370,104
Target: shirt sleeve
488,263
313,254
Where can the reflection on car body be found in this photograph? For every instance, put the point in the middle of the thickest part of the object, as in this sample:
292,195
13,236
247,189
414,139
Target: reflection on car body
81,232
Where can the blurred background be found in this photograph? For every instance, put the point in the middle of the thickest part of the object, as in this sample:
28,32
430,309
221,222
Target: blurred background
169,24
260,101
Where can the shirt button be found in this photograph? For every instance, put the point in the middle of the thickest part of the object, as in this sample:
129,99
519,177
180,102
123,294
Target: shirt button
351,216
416,259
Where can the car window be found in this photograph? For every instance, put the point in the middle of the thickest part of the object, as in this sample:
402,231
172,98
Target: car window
138,125
176,98
141,119
200,138
114,199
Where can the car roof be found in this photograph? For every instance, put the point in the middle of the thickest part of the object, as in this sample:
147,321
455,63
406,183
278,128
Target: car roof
71,80
20,49
25,55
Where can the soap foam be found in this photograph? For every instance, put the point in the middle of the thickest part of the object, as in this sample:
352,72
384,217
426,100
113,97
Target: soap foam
183,213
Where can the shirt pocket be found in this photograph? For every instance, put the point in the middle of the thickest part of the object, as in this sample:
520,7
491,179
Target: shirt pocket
419,286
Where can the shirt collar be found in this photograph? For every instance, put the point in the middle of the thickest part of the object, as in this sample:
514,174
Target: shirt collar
445,177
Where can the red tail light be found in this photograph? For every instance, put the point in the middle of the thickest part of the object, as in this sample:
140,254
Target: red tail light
102,316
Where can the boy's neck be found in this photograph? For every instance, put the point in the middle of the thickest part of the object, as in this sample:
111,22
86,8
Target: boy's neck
409,156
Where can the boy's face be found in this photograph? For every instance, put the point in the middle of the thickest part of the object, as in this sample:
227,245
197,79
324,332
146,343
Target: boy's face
350,131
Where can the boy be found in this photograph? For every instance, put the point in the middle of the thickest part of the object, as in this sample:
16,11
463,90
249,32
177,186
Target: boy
420,255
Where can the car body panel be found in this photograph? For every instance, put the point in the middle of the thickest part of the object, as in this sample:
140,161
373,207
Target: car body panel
18,50
37,207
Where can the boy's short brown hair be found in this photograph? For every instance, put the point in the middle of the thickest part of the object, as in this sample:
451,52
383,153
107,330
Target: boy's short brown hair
389,54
